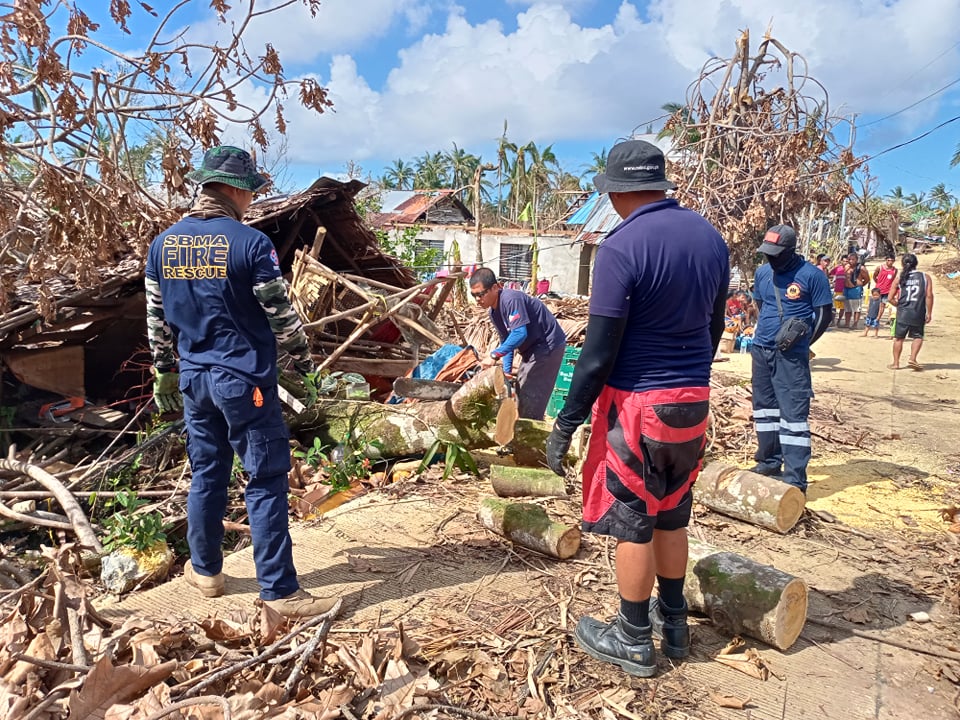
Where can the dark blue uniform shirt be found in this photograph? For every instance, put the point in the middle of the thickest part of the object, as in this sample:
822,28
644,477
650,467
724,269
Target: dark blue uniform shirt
801,290
515,309
207,270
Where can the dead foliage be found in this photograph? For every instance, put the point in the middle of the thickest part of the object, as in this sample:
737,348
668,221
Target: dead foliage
754,145
89,158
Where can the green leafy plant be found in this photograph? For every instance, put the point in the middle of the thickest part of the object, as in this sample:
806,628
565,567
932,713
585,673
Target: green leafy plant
456,457
314,455
128,527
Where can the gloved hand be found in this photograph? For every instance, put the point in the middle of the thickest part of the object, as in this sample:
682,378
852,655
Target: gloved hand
166,391
558,443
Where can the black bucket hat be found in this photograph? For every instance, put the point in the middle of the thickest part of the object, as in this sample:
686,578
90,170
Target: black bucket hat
778,239
634,165
231,166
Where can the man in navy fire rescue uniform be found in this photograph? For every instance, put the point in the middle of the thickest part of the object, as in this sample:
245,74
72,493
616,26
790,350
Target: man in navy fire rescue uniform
796,307
214,289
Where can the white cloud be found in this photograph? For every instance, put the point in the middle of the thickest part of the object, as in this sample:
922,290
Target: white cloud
554,79
339,26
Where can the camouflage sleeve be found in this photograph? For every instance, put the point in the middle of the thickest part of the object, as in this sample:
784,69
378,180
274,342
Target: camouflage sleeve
285,323
158,331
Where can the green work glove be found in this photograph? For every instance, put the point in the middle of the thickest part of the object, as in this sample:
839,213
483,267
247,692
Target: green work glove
166,391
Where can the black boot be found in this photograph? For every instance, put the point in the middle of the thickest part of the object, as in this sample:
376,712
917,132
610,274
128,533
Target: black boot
618,642
670,625
767,470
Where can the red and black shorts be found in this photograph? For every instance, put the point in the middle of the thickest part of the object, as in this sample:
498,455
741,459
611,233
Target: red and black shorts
645,453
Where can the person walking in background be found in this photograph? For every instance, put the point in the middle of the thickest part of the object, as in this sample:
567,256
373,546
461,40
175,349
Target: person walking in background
524,325
885,277
795,309
214,288
660,282
913,299
873,314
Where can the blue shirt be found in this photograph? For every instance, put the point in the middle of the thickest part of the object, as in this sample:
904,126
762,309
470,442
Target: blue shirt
514,309
206,270
662,268
801,290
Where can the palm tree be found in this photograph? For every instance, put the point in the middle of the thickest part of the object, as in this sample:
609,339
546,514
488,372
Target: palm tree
955,160
399,175
461,165
431,171
504,150
897,197
941,198
598,163
679,121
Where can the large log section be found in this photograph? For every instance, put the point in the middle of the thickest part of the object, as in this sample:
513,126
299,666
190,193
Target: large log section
529,526
745,495
744,596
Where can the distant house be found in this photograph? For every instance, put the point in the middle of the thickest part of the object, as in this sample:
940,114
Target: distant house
419,207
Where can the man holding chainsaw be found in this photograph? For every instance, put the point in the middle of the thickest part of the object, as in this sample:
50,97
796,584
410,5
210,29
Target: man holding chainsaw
524,325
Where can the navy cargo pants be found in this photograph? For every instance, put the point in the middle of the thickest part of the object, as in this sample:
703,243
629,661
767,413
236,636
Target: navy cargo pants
225,415
782,389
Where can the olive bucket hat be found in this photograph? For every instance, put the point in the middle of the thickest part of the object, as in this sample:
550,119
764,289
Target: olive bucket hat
230,166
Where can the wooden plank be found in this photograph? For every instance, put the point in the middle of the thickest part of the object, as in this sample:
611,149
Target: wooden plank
370,366
58,369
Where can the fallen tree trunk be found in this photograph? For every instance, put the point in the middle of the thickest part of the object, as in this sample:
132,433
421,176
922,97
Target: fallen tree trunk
529,526
71,508
526,482
388,431
744,596
747,496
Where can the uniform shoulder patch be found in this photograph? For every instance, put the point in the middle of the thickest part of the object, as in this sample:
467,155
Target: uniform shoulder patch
514,317
274,258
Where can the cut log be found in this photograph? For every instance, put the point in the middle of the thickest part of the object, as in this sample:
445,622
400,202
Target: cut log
744,596
747,496
526,482
529,526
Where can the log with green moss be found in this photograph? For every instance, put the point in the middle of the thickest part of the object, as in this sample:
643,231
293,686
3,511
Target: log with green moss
744,596
754,498
526,482
529,526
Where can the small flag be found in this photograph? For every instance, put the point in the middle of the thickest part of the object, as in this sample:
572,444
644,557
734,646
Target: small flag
525,215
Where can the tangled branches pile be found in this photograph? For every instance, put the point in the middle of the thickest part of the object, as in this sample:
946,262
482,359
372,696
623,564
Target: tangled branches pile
95,142
750,157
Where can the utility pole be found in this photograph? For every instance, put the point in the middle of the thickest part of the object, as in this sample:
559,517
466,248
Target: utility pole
843,209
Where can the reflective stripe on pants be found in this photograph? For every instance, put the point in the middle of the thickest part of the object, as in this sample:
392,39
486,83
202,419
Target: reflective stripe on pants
782,389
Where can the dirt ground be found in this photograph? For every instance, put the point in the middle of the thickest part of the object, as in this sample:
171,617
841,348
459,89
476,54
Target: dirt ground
495,622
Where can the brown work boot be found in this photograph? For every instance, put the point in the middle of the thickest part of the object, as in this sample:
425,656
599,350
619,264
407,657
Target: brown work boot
208,585
301,604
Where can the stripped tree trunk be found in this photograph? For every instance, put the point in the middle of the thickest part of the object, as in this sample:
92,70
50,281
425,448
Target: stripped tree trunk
529,526
754,498
744,596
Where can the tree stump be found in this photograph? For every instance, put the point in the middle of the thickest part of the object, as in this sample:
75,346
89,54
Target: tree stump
747,496
744,596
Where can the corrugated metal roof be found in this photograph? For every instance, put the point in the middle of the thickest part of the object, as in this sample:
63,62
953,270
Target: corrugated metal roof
583,212
601,220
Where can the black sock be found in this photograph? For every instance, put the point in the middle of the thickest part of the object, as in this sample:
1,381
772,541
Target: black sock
671,592
636,613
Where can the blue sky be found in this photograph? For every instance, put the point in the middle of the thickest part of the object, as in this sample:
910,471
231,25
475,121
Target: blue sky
408,76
